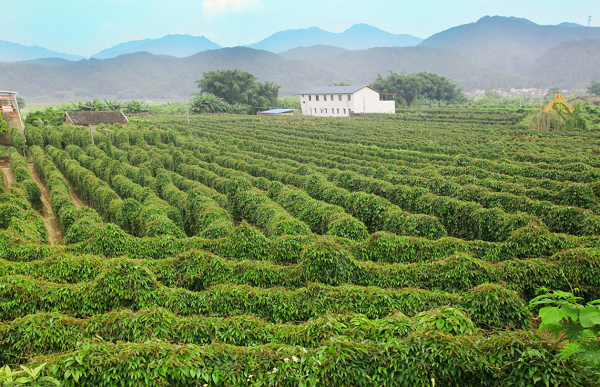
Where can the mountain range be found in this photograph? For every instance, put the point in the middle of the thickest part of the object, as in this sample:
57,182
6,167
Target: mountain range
13,52
357,37
492,52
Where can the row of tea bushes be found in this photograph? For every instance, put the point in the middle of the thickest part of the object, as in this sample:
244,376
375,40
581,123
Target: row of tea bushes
502,359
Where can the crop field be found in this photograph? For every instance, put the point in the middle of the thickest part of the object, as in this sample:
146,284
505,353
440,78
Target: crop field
252,251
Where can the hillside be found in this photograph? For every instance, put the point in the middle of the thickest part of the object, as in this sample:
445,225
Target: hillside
570,63
13,52
364,65
147,76
357,37
174,45
507,43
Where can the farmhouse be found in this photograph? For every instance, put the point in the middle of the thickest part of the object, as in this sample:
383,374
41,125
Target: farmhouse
341,101
94,118
9,107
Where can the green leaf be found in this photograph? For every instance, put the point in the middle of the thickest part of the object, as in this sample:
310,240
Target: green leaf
571,311
589,316
551,315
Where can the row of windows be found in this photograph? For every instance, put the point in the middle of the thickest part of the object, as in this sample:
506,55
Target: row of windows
331,97
333,111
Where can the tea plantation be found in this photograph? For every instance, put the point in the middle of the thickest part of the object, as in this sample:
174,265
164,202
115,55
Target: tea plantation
252,251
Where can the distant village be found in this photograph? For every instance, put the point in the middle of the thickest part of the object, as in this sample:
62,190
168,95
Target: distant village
524,92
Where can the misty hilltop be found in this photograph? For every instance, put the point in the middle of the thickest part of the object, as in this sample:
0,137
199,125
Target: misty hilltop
13,52
174,45
492,52
357,37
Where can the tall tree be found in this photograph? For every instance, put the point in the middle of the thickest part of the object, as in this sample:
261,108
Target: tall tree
427,86
234,86
266,94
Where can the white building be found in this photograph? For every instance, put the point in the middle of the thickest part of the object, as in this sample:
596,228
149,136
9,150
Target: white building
341,101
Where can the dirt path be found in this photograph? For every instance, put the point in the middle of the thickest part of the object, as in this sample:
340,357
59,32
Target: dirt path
8,178
55,234
76,199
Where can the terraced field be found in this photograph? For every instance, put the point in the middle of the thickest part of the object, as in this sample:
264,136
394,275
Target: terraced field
251,251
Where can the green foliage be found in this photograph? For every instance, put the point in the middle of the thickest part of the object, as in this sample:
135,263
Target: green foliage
563,315
3,125
594,88
208,103
236,87
328,263
420,86
49,117
26,376
17,140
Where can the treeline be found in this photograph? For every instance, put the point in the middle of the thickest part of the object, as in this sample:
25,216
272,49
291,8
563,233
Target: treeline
422,86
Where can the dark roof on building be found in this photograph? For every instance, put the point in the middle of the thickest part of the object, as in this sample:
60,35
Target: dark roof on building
96,118
335,89
277,111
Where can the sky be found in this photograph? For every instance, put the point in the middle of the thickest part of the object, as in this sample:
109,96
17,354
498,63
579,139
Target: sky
85,27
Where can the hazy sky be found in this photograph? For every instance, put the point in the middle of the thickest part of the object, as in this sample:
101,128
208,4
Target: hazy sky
85,27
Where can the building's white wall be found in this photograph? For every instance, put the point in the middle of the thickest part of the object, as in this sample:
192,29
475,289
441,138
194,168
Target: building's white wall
334,108
365,100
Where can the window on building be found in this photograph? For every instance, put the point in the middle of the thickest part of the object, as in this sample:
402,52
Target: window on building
325,98
310,97
315,110
331,98
349,97
325,110
340,97
316,97
338,111
344,111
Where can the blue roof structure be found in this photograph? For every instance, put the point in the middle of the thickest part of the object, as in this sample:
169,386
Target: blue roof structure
277,111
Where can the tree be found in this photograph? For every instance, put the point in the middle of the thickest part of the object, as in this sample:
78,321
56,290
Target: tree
266,94
234,86
21,103
239,87
420,86
594,88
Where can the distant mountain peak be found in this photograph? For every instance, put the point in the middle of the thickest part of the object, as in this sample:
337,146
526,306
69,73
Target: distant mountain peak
173,44
357,37
498,18
14,52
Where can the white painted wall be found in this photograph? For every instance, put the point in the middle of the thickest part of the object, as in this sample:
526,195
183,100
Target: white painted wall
365,100
325,106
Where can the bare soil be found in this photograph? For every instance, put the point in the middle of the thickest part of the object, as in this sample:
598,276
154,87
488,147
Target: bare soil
8,178
55,234
76,199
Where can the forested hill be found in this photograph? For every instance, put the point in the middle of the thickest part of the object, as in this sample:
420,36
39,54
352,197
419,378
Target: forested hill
507,43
